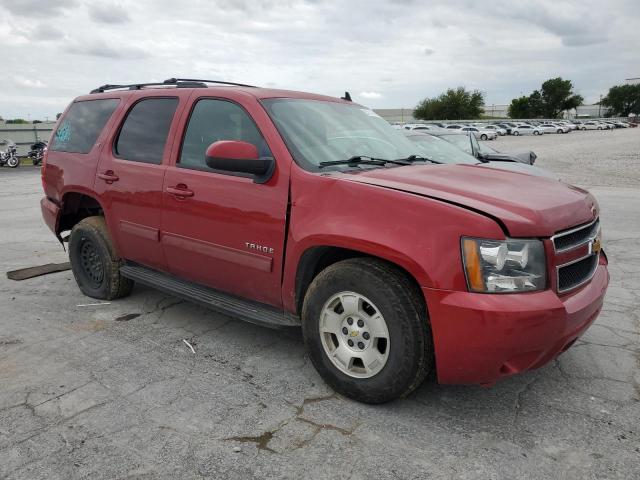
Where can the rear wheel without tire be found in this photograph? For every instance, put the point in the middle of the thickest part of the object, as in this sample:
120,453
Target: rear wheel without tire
366,329
94,263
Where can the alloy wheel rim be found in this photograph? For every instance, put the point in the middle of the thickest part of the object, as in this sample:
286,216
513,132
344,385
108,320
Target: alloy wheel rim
354,335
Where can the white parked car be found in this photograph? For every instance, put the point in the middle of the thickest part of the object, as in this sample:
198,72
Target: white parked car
593,125
572,126
421,126
481,133
526,130
496,128
554,128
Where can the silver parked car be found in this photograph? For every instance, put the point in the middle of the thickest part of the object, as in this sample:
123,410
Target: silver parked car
450,147
592,125
554,128
496,128
526,130
481,133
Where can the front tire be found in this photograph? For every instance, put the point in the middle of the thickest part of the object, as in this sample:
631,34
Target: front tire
94,263
516,133
13,162
366,330
483,137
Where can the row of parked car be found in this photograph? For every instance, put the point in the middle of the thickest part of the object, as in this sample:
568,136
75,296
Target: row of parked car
484,131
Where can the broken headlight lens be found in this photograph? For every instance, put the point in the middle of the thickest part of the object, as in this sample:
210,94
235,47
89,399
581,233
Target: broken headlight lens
504,266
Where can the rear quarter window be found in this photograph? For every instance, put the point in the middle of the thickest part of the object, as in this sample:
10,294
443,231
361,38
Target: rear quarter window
81,126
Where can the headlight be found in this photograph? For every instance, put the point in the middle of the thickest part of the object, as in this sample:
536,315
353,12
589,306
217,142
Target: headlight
503,266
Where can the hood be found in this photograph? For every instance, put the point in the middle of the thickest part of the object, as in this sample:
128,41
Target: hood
526,205
519,167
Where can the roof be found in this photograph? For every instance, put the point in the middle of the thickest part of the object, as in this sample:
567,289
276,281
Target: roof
219,86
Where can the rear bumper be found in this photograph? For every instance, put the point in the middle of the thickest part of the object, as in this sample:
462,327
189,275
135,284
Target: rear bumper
481,338
50,214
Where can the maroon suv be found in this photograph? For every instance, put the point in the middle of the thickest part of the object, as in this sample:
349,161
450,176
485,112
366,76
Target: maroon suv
293,209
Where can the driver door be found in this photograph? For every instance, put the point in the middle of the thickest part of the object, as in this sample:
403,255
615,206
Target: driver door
220,229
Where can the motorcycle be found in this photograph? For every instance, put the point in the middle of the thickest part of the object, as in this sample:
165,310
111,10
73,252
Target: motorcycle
37,152
10,156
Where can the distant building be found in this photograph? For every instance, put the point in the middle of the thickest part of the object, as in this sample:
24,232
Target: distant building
632,81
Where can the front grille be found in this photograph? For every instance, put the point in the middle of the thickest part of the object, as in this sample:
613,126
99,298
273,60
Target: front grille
575,274
576,236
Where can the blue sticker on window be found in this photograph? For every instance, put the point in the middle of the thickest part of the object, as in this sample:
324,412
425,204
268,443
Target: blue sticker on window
63,134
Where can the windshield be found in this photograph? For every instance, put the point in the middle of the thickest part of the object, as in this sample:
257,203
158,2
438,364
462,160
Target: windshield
317,131
441,151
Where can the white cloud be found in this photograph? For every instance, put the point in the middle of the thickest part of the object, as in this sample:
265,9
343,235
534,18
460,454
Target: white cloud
395,52
28,82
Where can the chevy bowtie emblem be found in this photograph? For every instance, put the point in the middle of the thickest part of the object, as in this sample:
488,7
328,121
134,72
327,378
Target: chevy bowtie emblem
596,246
354,333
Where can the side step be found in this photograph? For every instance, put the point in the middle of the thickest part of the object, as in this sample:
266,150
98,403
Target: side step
246,310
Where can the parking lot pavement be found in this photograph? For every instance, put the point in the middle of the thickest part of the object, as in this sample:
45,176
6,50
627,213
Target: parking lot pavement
112,391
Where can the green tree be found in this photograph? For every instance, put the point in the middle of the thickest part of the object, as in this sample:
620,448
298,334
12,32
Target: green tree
557,96
554,97
454,104
16,121
622,100
520,108
536,105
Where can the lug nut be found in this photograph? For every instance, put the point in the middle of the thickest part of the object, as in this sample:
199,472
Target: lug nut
360,323
350,342
345,330
360,345
350,321
366,335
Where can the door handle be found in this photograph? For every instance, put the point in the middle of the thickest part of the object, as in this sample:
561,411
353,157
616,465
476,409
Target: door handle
108,176
180,190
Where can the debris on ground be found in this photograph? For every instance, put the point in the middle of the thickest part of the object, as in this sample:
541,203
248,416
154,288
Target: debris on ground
37,271
189,345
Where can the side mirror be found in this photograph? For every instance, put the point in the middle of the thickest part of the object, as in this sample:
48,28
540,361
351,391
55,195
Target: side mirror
239,157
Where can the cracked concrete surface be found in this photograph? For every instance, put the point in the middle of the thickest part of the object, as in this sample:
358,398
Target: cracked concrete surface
111,391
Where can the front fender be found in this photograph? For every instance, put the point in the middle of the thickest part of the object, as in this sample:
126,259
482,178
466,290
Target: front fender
419,234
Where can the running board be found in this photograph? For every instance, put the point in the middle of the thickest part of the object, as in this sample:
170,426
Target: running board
246,310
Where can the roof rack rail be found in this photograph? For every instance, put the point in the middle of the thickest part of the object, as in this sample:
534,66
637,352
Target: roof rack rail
172,81
134,86
178,82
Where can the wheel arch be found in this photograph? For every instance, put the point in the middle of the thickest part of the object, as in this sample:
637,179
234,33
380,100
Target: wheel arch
317,258
75,206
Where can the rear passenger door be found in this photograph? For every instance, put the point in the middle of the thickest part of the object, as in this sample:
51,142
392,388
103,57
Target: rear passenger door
130,177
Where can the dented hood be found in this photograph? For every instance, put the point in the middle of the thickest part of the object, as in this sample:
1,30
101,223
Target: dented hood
526,205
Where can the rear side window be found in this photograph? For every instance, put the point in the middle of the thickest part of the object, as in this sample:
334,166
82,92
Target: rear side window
144,133
81,126
213,120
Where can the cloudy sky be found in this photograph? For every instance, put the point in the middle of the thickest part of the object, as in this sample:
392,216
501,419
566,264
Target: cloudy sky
387,53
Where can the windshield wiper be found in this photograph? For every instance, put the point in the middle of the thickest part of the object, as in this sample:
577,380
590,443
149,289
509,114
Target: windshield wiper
419,158
364,160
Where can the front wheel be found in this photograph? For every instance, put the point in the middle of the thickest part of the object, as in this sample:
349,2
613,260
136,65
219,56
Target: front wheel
13,162
94,263
483,137
366,329
516,133
535,132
